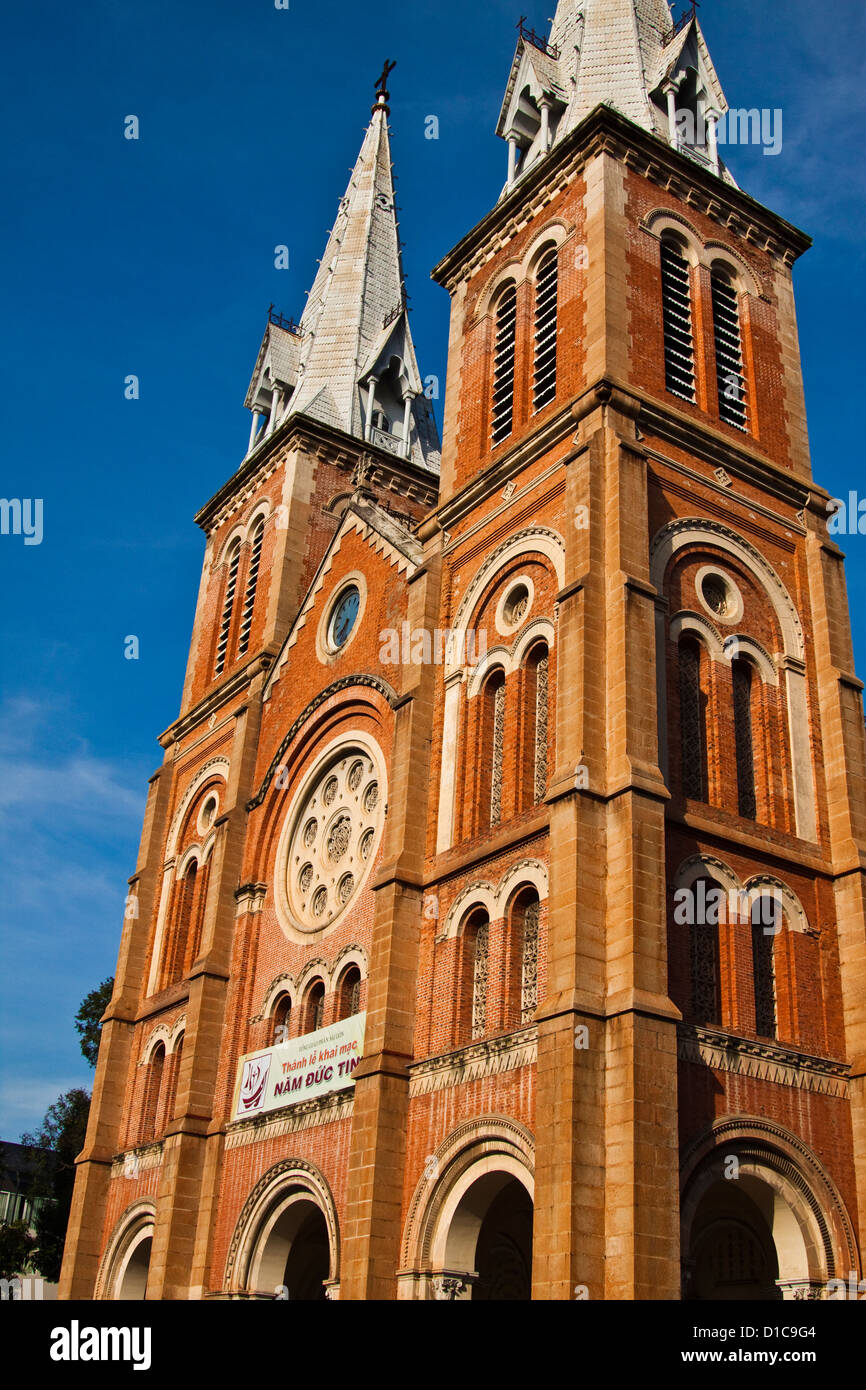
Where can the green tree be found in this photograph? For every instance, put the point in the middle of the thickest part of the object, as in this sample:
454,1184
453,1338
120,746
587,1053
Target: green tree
16,1248
90,1011
53,1150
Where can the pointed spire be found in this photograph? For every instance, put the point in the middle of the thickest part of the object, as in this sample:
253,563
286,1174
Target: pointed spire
628,54
354,333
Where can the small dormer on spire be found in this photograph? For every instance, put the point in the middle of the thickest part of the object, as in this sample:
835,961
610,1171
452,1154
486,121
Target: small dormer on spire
351,363
631,55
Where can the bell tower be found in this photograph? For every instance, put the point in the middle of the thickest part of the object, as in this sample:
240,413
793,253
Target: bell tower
625,426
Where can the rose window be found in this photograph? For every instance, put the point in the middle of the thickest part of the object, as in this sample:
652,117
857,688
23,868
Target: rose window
333,841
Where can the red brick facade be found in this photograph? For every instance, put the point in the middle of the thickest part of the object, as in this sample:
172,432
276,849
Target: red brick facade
532,1016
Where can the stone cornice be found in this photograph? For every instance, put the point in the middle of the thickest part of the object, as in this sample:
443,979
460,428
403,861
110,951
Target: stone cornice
402,477
764,1061
605,131
491,1057
305,1115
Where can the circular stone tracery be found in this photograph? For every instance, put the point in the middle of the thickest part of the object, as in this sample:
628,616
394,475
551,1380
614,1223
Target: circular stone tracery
333,840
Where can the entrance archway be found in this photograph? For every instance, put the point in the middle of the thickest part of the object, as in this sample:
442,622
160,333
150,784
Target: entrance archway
286,1242
132,1278
483,1248
294,1253
761,1219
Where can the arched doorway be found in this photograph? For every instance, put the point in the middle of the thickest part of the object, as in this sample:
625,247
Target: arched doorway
293,1254
733,1253
761,1219
486,1254
132,1279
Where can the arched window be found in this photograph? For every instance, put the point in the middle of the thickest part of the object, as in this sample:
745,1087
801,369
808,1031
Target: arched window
315,1009
350,992
152,1090
546,295
677,320
228,606
743,680
535,727
529,914
503,365
282,1019
705,967
764,972
252,581
729,349
174,1063
493,744
478,933
693,738
184,925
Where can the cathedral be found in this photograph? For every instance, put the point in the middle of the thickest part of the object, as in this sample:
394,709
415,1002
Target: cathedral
498,930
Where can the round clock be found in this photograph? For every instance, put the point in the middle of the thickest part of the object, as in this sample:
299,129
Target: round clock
344,617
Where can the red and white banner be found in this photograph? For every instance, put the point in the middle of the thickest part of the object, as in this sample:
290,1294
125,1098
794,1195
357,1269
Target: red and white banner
301,1069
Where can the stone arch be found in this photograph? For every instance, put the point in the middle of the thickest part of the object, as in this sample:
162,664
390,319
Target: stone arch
160,1034
737,646
697,625
214,767
529,873
475,895
808,1223
551,236
715,253
663,220
440,1227
269,1222
123,1269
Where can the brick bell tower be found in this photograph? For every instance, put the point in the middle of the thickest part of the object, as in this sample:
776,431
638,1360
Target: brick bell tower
343,453
667,707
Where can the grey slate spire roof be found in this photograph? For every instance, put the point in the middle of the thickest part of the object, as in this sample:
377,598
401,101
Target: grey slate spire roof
356,325
619,53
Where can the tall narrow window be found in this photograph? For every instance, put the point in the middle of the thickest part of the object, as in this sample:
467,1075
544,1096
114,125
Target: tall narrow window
174,1064
677,318
184,925
693,751
764,975
228,605
503,366
729,350
529,962
746,800
153,1088
250,595
546,294
496,695
282,1019
315,1012
541,698
481,944
350,993
706,989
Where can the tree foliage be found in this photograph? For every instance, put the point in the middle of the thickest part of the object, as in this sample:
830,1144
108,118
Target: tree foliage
92,1007
52,1153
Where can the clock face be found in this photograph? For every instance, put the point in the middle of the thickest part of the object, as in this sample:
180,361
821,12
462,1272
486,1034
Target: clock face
345,617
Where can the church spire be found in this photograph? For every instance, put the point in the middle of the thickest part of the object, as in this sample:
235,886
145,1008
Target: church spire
351,360
628,54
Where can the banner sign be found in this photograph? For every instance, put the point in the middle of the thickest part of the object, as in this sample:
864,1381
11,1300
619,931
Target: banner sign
302,1069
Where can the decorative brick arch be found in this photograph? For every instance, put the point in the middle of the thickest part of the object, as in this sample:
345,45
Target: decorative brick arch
135,1226
271,1194
783,1162
490,1143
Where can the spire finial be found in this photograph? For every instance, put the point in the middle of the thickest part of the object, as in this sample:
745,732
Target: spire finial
382,92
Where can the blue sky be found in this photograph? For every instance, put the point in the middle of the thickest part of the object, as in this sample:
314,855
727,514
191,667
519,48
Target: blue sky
155,257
